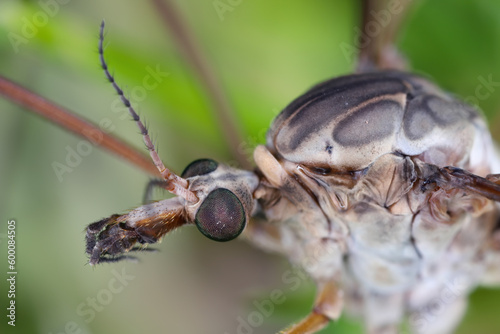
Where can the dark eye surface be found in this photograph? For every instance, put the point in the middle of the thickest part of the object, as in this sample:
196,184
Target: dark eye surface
221,216
199,167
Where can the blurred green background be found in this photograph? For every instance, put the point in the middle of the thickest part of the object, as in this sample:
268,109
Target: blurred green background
266,53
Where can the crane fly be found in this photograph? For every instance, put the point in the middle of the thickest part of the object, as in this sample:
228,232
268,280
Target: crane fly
361,182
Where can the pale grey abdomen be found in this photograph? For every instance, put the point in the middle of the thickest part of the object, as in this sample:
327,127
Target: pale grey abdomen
348,122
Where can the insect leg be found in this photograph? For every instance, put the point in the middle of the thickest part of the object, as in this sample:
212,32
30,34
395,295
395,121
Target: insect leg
456,178
327,307
74,123
152,184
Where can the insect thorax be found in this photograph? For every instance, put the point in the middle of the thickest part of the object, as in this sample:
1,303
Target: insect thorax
347,122
352,159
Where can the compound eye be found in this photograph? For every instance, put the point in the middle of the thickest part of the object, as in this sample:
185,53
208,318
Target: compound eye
199,167
221,216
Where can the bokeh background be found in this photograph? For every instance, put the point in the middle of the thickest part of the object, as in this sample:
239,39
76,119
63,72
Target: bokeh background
265,53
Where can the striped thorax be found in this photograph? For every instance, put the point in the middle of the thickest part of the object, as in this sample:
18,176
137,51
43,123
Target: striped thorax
363,198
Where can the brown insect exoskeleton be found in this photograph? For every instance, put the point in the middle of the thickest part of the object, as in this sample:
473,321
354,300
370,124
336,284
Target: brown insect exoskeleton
381,186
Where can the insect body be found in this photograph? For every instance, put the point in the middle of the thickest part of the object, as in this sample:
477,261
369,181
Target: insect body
374,209
352,186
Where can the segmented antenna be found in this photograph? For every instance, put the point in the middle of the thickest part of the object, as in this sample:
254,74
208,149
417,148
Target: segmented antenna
175,184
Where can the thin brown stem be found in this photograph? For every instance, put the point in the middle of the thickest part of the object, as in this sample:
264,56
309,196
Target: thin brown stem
187,44
75,124
381,22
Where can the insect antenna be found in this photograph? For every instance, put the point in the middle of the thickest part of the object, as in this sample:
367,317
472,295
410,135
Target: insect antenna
174,183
